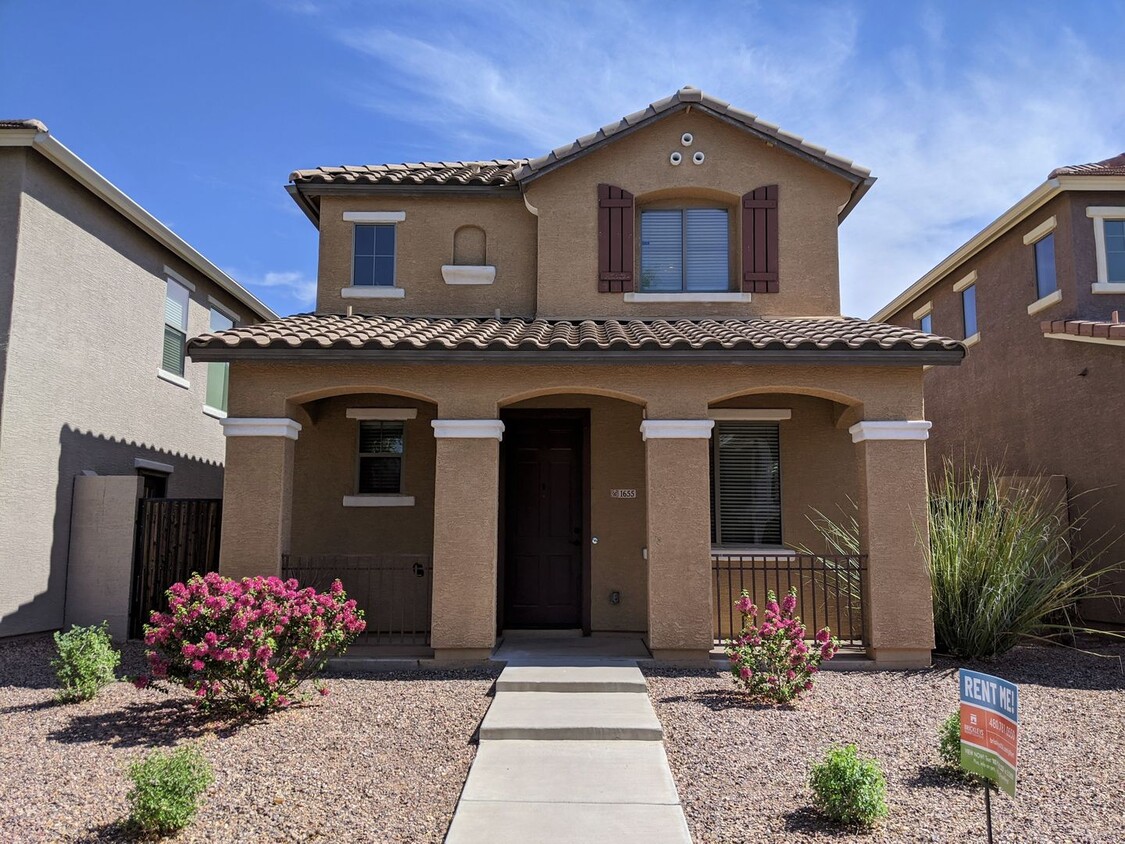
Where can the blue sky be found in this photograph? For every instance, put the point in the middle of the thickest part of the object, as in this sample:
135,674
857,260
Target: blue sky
199,111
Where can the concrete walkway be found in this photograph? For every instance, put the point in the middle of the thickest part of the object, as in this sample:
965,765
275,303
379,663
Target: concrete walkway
570,751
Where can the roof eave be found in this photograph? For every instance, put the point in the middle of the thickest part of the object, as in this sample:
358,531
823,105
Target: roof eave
311,209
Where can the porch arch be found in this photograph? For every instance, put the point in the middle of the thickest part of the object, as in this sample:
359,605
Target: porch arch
566,390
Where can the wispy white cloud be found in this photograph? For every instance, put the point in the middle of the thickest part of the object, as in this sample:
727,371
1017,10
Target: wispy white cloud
290,290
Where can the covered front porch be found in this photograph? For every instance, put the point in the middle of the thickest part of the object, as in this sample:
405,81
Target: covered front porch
460,504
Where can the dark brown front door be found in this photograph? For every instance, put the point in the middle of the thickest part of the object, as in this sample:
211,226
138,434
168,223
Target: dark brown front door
542,522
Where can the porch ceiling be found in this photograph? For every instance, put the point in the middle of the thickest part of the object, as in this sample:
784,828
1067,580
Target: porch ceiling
470,339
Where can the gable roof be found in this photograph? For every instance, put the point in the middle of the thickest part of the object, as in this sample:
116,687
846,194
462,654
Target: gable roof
494,173
34,134
1109,167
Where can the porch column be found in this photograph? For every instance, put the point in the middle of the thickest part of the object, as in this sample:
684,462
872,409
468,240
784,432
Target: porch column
677,462
257,495
466,493
894,533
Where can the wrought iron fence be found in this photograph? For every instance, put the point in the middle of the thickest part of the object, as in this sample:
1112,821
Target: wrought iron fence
829,589
393,590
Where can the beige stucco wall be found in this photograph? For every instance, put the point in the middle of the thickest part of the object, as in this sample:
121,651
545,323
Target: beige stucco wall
735,163
424,242
80,386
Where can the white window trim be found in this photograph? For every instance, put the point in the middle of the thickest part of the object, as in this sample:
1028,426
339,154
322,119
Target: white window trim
385,414
374,216
679,429
483,429
1040,231
903,429
966,282
224,310
371,291
1099,214
153,465
172,378
250,426
687,297
971,340
214,411
751,414
1052,298
927,308
179,279
378,500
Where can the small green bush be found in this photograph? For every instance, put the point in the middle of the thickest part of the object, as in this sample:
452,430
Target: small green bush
848,788
85,662
949,746
166,788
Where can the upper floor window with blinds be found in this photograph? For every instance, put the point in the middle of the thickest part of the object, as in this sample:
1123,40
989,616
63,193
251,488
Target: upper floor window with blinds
175,328
745,484
685,250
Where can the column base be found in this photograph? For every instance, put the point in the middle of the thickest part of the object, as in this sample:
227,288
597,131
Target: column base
692,656
897,659
446,656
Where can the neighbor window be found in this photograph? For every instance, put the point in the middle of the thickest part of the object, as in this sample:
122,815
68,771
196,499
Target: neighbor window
926,323
373,262
175,327
1045,280
380,457
1114,232
685,250
969,309
745,484
218,374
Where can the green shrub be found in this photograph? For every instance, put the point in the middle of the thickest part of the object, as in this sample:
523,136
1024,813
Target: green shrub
85,662
848,788
166,788
949,746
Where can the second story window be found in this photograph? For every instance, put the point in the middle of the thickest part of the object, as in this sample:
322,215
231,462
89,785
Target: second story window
685,250
925,317
1115,251
373,260
218,374
175,328
969,309
1046,282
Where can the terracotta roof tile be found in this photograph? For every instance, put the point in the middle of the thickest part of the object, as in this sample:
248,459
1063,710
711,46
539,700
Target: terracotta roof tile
1109,167
495,173
1104,329
357,332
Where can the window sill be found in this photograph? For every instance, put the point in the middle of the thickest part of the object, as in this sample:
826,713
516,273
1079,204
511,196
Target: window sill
1044,303
971,340
464,274
687,297
1108,287
365,291
214,411
178,380
378,500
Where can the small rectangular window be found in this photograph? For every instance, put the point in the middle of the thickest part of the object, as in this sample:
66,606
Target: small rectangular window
175,327
373,261
745,484
685,250
1045,280
218,374
969,309
926,324
1115,250
380,457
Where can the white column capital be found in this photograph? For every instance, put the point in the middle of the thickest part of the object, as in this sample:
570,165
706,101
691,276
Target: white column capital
899,429
260,427
679,429
480,429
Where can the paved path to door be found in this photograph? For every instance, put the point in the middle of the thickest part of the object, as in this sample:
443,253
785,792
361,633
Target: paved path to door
570,751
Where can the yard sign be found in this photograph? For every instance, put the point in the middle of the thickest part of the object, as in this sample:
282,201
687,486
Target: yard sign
989,727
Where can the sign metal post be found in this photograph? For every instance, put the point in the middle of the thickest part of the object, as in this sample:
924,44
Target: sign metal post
989,732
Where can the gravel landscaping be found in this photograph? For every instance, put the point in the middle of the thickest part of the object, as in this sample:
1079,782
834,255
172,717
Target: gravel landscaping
381,759
741,768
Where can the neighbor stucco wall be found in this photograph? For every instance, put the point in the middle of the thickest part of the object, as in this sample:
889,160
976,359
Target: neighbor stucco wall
11,185
80,389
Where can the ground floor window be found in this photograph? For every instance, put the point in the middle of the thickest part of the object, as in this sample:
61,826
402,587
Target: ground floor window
745,484
380,457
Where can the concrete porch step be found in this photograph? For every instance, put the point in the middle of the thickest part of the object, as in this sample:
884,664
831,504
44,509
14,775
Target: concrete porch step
608,679
571,716
567,823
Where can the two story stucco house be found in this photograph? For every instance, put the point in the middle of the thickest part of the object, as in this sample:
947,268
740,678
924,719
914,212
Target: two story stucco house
97,299
556,390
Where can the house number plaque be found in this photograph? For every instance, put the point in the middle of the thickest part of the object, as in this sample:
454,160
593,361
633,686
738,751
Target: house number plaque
622,493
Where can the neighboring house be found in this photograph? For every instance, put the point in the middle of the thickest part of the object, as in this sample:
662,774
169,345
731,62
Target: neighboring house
570,386
1039,296
96,300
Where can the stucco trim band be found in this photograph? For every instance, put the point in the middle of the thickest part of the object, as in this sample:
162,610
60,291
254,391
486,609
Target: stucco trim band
374,216
1040,231
1052,298
752,414
967,281
260,427
153,465
385,414
371,291
172,378
905,429
678,429
687,297
483,429
464,274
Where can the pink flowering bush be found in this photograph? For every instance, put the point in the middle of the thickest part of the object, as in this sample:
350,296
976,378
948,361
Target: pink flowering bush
771,659
247,644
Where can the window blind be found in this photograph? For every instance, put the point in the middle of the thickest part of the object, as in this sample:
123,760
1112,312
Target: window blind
747,483
662,251
380,457
685,250
706,250
175,327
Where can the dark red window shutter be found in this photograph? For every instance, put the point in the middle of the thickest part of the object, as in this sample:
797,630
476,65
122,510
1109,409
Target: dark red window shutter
615,240
759,240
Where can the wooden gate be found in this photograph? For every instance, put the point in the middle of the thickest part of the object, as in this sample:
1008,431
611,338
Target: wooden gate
175,537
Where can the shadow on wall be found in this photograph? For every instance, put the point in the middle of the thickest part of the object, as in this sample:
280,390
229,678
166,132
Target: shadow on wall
32,550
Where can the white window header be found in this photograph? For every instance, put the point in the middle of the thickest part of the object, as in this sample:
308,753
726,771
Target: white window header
482,429
925,309
967,281
1040,231
374,216
679,429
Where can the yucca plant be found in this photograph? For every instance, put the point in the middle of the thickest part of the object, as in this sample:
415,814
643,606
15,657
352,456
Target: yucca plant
1002,566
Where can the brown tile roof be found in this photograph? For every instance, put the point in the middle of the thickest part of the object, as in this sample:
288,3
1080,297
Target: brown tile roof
1110,167
513,334
1103,329
496,173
